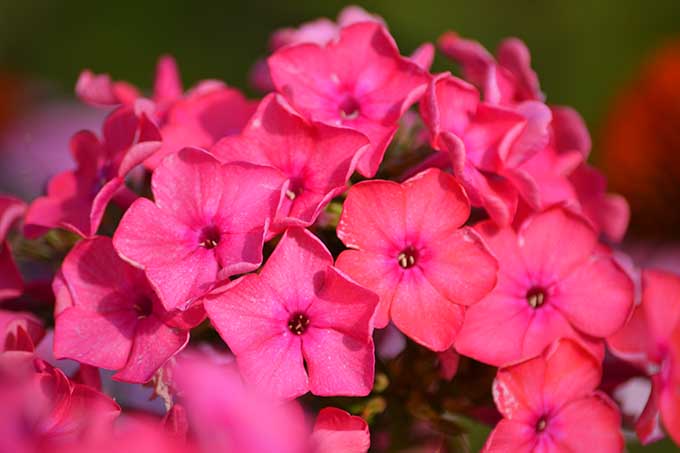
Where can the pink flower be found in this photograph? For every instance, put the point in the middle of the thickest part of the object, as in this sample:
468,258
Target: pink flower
207,113
506,81
42,408
76,199
19,331
299,308
112,318
207,218
486,144
550,404
198,118
337,430
651,339
408,246
554,282
317,159
11,283
359,81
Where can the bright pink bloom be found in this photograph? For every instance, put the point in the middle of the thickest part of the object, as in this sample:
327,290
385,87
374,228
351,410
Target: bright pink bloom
19,331
337,430
651,339
409,247
11,283
299,308
76,199
206,218
207,113
554,282
317,159
198,118
112,318
507,81
359,81
549,404
486,144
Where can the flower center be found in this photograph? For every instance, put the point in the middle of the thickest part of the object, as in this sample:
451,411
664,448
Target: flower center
349,109
143,307
536,297
209,237
541,424
407,258
298,323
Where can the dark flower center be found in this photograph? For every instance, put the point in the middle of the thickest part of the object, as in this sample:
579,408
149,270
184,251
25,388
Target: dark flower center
541,424
407,258
143,307
298,323
209,237
349,108
536,297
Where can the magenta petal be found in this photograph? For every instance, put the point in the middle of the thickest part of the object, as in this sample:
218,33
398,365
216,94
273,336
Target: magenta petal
541,240
324,349
374,271
461,267
98,339
494,329
344,306
423,314
514,56
602,281
11,209
373,217
593,421
154,343
337,430
511,436
571,372
428,195
168,86
275,367
658,288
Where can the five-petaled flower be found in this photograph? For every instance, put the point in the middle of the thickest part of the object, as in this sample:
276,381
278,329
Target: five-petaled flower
299,308
406,244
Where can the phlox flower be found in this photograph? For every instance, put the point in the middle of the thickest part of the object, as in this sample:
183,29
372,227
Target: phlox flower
198,118
76,199
337,430
107,315
206,218
554,282
486,144
11,283
322,31
406,244
359,81
651,339
317,159
550,404
299,308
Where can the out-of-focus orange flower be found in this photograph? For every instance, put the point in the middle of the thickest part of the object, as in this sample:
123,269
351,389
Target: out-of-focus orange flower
641,145
11,92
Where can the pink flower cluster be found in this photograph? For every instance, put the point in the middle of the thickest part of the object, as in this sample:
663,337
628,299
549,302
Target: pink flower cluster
497,246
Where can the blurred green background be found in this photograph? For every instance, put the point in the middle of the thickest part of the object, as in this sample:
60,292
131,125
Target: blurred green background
583,51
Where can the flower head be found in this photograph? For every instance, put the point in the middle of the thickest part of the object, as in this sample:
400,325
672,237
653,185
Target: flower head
549,403
554,282
111,317
206,218
406,244
299,308
359,81
317,159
